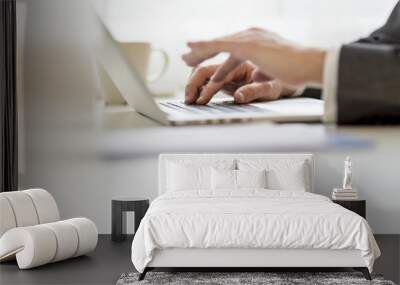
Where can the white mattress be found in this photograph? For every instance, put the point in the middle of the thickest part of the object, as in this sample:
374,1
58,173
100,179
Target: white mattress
253,219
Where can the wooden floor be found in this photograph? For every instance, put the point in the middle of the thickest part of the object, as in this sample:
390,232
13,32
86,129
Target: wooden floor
110,260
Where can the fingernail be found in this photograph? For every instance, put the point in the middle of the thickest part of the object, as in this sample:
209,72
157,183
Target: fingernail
239,97
200,100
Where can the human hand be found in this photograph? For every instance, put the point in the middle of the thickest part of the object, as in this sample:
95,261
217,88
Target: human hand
246,84
274,56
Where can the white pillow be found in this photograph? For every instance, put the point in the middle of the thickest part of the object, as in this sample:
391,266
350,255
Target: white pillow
282,174
186,175
183,177
293,180
225,179
251,179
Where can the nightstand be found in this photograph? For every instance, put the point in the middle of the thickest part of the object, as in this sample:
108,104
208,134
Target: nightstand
119,207
357,206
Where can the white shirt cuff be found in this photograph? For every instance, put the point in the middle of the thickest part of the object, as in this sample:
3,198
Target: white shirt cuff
330,84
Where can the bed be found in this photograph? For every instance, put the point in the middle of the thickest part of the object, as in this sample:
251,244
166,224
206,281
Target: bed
247,211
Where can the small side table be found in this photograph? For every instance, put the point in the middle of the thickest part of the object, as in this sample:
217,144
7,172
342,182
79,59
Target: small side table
119,207
357,206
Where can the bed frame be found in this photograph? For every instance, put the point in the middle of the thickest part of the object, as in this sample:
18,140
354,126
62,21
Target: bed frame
234,259
250,259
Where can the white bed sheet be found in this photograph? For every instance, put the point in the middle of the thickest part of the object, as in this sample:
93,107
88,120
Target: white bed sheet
250,219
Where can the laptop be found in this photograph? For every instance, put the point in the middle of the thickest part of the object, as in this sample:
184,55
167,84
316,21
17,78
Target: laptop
176,112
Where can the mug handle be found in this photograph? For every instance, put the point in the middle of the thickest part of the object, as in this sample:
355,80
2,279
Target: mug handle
155,77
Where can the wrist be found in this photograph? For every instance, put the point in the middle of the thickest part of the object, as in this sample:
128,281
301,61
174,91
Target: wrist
314,60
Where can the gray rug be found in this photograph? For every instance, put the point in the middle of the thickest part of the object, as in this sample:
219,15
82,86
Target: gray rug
269,278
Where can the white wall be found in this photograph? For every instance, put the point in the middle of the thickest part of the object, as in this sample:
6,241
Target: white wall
60,89
376,176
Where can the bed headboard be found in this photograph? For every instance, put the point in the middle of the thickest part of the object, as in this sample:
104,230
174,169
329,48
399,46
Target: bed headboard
167,157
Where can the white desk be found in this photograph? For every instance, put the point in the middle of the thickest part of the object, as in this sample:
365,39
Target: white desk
127,133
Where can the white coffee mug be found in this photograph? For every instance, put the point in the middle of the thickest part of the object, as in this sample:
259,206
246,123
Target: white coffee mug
138,55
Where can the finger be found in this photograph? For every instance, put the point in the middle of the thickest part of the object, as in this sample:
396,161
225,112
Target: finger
193,58
258,91
227,69
230,87
229,65
208,92
258,76
203,50
197,80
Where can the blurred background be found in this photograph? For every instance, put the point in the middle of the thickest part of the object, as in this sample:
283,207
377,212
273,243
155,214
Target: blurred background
61,99
169,24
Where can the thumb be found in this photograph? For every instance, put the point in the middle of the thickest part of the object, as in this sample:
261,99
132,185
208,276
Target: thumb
258,91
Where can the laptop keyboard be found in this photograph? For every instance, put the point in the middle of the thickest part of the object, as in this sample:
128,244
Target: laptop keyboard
212,107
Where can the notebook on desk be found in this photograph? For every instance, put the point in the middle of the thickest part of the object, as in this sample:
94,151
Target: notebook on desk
175,112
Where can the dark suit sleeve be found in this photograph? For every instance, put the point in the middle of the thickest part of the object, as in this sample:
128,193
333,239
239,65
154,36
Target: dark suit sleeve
368,90
369,84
